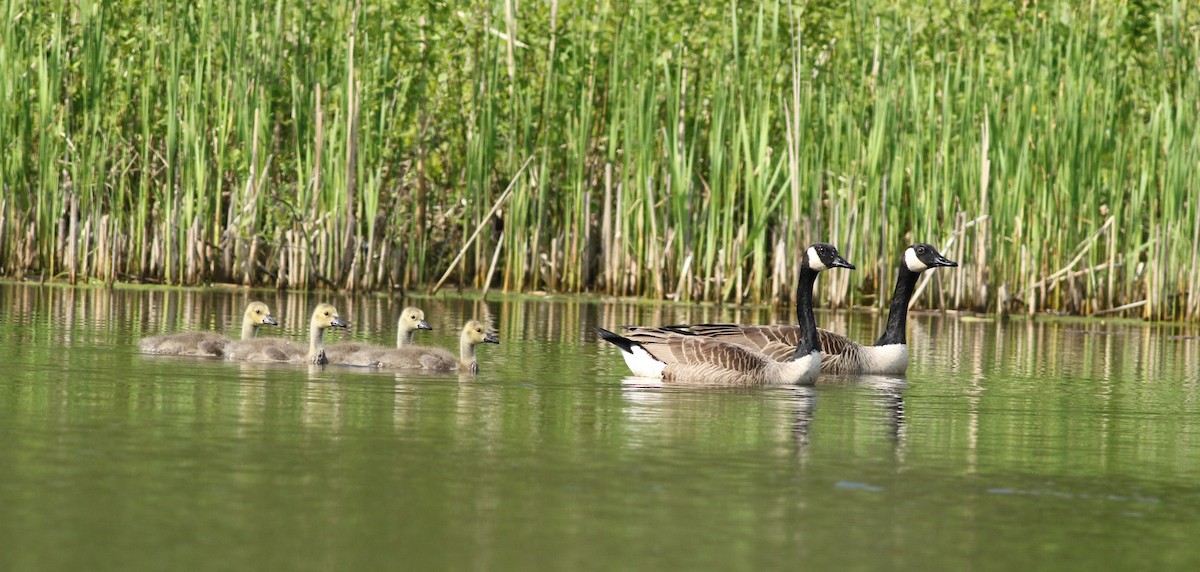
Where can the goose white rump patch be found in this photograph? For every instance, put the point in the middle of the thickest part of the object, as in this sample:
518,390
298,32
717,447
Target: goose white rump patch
642,364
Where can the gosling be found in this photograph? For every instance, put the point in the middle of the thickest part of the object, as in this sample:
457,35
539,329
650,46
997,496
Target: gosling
429,358
275,350
208,344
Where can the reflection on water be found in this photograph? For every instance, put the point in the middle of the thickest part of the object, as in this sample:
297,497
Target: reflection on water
1101,351
1007,442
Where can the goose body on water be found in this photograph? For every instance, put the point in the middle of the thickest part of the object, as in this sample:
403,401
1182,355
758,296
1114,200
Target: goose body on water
270,350
411,320
840,354
683,357
429,358
209,344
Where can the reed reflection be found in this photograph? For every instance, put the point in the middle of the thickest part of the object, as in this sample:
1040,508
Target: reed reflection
1107,353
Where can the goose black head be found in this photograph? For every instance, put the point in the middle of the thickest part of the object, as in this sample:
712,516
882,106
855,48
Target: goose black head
823,256
922,256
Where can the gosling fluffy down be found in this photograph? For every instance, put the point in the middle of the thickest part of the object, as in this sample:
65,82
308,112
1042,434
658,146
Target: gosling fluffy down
208,344
411,320
429,358
272,350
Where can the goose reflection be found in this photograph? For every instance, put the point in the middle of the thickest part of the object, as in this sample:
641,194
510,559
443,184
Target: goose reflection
322,399
804,402
888,394
781,414
789,413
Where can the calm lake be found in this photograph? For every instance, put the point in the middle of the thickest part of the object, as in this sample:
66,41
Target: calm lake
1018,445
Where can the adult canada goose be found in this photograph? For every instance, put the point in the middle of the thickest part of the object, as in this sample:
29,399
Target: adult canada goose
207,343
840,354
429,358
681,357
279,350
411,320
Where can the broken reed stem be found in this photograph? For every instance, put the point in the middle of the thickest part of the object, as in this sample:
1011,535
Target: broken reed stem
495,207
487,283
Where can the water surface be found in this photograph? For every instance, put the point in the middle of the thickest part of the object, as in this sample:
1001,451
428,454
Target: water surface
1021,445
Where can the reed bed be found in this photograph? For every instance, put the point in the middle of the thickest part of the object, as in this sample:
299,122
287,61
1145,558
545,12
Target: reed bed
658,149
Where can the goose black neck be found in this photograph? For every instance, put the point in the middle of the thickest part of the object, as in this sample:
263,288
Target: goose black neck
906,282
804,313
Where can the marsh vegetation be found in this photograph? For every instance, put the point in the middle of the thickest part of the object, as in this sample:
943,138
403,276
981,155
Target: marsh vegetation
660,149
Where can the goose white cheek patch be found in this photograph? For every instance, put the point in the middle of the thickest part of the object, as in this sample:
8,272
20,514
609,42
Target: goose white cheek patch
814,261
914,264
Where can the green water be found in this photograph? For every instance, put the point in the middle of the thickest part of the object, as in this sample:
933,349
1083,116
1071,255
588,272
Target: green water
1009,446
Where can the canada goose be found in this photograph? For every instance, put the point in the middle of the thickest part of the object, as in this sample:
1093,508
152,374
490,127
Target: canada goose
840,354
430,358
280,350
682,357
207,343
411,320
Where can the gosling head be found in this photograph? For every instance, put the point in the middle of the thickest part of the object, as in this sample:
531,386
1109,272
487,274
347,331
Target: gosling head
922,256
475,333
259,314
326,316
412,318
823,256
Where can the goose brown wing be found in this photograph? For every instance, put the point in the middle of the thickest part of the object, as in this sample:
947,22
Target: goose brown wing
839,354
674,348
832,343
666,346
776,341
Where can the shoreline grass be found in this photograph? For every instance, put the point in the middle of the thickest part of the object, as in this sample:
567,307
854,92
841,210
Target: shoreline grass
679,152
